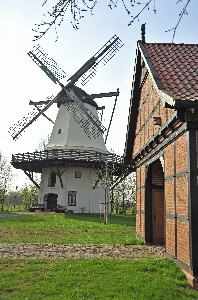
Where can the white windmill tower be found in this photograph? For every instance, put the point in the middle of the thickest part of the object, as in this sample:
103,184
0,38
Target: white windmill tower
75,165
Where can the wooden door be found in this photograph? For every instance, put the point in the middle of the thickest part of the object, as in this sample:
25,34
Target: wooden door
158,216
52,201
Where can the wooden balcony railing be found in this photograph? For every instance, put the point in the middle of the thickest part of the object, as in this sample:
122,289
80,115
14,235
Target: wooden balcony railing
73,155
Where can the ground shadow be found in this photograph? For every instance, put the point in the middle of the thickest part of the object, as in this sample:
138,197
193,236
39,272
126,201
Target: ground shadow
124,220
33,217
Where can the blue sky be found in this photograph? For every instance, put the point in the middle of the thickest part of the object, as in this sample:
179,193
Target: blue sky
21,80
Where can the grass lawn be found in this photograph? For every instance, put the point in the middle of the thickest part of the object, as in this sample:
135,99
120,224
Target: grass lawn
100,279
93,279
68,228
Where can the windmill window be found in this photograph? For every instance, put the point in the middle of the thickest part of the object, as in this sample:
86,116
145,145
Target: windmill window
72,198
52,179
59,131
78,174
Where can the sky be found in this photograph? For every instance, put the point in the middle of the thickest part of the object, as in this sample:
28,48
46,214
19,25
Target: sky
22,80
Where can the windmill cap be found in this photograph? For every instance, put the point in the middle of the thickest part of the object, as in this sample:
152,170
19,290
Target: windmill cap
81,94
84,96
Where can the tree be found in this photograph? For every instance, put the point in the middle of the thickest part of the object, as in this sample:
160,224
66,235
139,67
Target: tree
6,176
34,193
29,195
13,198
78,10
42,143
123,196
36,177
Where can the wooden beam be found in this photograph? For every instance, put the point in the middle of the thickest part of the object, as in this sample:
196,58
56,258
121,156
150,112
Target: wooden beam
133,111
101,95
44,115
31,178
186,104
138,161
192,200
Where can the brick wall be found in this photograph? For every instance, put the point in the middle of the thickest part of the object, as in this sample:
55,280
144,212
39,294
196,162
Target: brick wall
150,107
170,236
176,175
183,248
176,199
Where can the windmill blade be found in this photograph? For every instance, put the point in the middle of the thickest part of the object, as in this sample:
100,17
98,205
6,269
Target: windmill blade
101,95
88,70
83,116
47,64
16,129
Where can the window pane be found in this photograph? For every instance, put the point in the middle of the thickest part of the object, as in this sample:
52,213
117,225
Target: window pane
72,198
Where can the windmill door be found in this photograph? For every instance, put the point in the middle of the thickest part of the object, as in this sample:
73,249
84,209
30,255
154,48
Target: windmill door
158,216
52,201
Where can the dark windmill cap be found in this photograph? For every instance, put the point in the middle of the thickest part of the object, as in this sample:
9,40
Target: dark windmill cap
81,94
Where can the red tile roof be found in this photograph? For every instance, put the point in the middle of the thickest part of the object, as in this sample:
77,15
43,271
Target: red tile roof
177,68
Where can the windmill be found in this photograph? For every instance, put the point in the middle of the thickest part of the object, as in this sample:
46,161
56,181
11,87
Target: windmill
67,93
76,153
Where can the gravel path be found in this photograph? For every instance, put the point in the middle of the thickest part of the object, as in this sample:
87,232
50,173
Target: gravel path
80,251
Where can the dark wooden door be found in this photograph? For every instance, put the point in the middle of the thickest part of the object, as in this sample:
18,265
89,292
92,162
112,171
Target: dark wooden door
52,201
158,216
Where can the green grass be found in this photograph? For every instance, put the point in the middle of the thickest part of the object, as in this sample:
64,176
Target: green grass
68,228
99,279
93,279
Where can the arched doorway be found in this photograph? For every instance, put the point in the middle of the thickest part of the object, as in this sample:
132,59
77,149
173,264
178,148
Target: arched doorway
154,204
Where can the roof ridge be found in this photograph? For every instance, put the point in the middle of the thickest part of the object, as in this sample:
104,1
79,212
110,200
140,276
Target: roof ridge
163,43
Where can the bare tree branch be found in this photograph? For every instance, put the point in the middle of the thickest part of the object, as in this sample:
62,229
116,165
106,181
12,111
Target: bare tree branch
57,15
182,13
136,17
79,8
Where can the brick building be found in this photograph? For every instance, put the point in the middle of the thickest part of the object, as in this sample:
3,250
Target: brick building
161,143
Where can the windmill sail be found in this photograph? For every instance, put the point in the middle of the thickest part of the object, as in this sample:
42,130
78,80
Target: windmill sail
47,64
16,129
88,70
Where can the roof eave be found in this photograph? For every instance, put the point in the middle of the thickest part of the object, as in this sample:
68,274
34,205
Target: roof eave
133,110
185,104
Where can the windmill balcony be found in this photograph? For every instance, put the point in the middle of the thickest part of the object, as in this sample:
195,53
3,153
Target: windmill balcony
35,161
